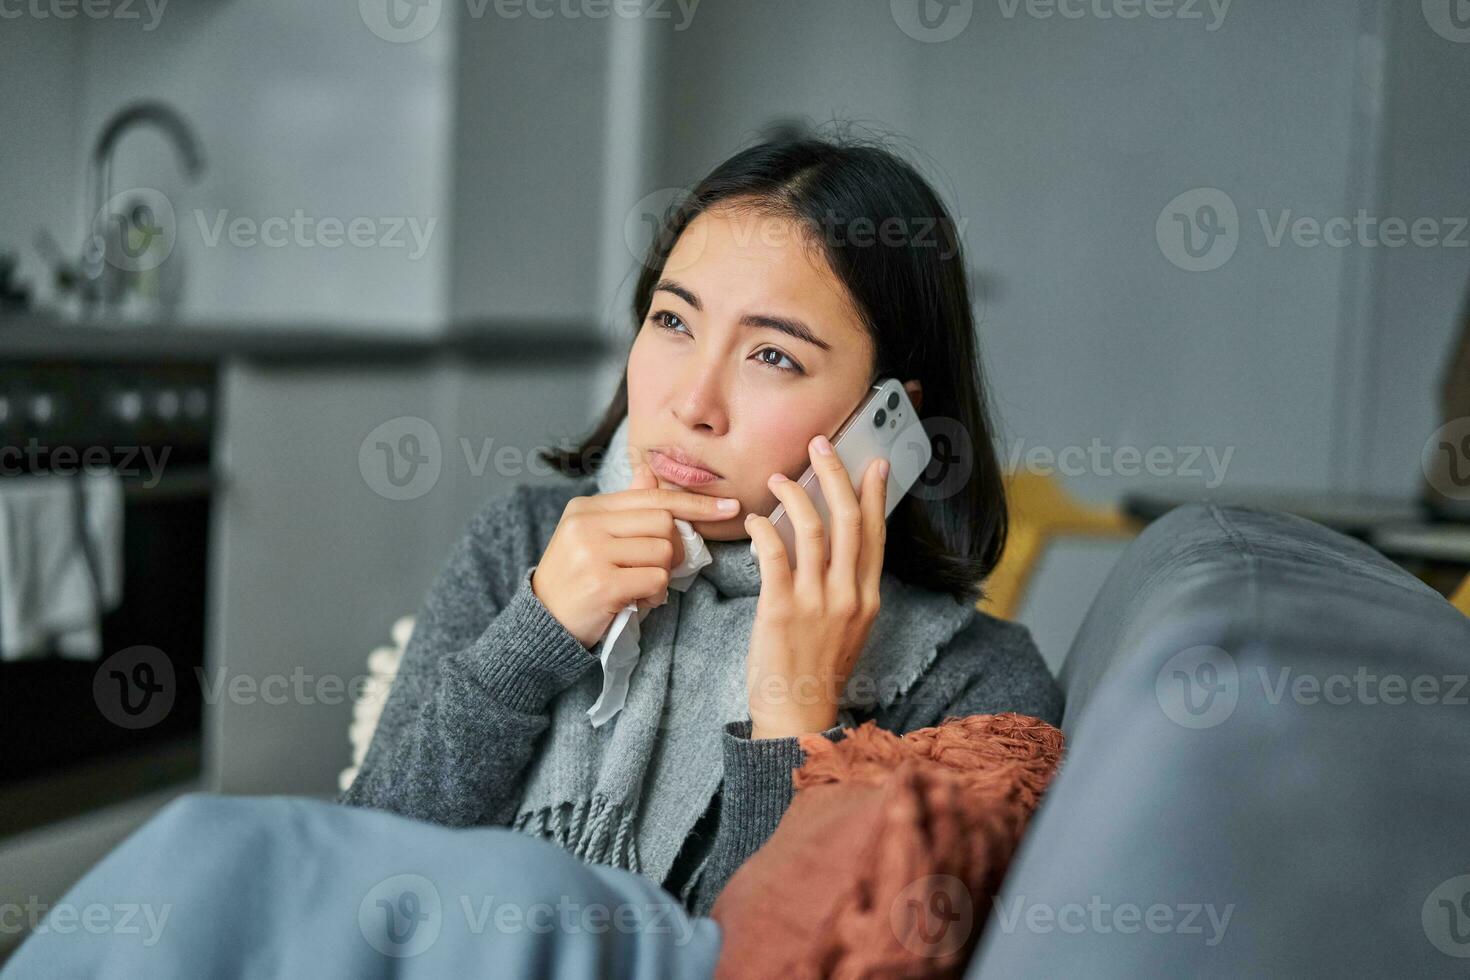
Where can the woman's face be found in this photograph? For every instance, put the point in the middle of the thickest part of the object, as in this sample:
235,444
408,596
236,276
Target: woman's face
751,347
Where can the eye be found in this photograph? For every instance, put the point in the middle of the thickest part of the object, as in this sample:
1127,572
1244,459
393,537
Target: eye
776,364
662,318
671,323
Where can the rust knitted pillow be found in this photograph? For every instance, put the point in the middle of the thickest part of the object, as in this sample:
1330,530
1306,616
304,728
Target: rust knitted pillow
887,859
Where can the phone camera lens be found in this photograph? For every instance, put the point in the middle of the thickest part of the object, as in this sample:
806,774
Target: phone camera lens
880,418
892,400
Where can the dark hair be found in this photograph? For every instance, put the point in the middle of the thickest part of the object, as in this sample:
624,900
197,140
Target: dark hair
913,296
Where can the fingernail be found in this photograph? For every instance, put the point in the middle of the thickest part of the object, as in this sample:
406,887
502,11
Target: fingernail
777,477
823,446
728,504
883,468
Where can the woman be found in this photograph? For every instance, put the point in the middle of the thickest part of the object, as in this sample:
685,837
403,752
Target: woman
794,277
797,274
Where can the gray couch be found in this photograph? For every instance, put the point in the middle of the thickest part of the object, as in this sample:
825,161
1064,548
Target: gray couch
1267,772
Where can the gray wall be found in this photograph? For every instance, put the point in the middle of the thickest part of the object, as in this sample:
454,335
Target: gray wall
39,119
527,155
1417,293
316,557
1058,143
298,106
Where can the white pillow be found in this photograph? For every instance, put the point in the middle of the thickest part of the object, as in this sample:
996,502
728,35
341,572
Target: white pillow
368,708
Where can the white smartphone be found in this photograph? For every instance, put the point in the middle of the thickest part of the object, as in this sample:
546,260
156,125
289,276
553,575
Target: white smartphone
885,425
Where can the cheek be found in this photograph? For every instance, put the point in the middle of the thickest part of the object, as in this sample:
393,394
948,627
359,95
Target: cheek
775,442
780,443
646,383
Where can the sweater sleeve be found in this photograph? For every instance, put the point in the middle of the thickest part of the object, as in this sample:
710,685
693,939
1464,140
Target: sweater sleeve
991,666
755,794
1002,670
473,692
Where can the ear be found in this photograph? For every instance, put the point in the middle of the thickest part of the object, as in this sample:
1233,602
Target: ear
916,394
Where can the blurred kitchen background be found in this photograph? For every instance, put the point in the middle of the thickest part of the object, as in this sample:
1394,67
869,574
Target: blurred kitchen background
297,272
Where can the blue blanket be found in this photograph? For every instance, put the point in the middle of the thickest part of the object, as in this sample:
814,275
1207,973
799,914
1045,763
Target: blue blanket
287,887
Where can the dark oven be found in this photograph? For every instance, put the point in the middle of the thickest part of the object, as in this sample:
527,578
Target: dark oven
82,732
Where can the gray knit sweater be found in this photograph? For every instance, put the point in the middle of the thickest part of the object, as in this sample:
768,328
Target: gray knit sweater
486,660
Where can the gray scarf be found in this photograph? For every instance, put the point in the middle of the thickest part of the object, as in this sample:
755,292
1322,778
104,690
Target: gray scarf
629,792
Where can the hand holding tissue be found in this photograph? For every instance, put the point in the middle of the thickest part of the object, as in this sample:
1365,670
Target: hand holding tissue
618,650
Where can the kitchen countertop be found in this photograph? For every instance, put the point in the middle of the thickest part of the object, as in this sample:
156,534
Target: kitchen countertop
32,337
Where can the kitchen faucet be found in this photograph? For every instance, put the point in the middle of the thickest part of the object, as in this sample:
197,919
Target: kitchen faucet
102,274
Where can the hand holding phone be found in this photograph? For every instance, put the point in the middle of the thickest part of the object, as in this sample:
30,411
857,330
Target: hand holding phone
884,425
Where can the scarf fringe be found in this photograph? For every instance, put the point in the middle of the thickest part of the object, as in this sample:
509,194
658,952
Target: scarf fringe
592,829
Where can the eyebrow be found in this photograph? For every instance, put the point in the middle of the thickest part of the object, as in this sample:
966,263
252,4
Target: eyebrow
787,325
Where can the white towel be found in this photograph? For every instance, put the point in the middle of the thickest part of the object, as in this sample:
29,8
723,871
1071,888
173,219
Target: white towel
618,649
48,589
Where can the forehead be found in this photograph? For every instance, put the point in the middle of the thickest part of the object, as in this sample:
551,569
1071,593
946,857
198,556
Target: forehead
739,261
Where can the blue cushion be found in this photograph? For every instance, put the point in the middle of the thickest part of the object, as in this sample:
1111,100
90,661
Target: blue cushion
1267,771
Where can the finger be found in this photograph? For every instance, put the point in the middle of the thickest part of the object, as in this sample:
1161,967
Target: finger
641,552
806,525
844,515
875,526
644,582
770,552
644,524
684,504
643,477
653,603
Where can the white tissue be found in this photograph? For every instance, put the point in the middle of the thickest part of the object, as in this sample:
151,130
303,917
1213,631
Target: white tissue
618,650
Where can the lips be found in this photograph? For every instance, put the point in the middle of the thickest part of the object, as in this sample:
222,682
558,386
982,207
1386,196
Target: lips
679,467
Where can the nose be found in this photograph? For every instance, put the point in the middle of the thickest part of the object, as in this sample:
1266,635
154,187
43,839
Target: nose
700,401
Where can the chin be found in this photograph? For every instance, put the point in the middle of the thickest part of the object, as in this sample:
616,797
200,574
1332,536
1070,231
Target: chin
731,530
